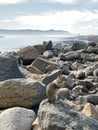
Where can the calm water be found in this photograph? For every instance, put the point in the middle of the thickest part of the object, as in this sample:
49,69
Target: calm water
15,42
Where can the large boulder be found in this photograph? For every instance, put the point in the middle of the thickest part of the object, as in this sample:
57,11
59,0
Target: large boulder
61,116
28,54
9,69
16,119
21,92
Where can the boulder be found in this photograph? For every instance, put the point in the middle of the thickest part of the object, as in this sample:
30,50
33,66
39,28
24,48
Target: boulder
16,118
21,92
40,48
70,55
9,69
61,116
28,54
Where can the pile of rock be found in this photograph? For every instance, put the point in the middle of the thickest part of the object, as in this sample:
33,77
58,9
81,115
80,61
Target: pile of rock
25,75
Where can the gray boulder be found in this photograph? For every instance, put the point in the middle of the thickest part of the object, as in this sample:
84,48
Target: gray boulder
28,54
16,119
61,116
9,69
70,55
21,92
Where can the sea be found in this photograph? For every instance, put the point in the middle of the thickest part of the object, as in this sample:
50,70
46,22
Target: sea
9,43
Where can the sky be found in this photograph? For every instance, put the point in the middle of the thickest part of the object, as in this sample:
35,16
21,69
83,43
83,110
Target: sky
75,16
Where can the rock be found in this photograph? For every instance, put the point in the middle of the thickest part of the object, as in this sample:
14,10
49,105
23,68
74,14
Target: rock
48,78
48,45
35,125
95,72
41,64
78,46
21,92
51,68
61,116
90,49
9,69
70,55
90,110
96,58
80,89
63,93
89,70
40,48
16,119
33,69
80,74
48,53
76,66
64,68
70,82
86,83
93,99
28,54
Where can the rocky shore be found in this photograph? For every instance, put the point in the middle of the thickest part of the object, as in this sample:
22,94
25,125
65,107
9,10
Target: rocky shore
25,75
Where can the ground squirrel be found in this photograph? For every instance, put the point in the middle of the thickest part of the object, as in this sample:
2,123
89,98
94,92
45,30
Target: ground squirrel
51,92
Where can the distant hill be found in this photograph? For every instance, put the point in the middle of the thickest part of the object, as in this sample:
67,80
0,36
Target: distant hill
33,32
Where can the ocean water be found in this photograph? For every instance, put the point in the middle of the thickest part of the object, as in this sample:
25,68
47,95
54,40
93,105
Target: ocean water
15,42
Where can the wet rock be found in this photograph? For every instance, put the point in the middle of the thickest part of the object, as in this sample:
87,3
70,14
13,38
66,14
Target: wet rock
21,92
16,119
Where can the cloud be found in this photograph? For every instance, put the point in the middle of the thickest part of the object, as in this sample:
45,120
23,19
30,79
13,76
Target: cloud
60,1
11,1
73,21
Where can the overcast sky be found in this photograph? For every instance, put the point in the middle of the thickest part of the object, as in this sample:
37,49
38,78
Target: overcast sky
75,16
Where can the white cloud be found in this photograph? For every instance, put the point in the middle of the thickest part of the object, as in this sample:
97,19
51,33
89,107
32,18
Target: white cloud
73,21
60,1
11,1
